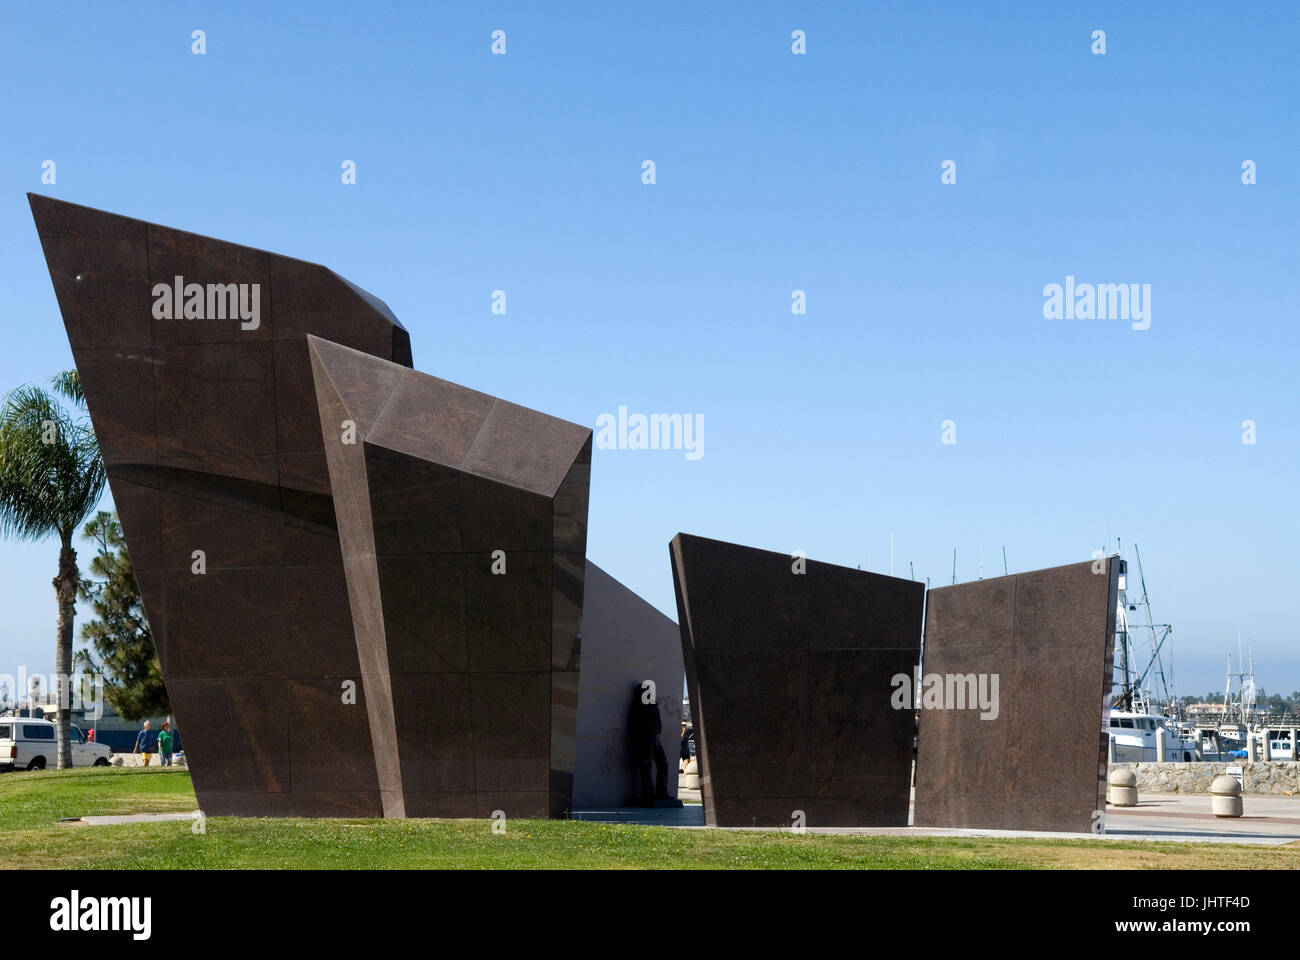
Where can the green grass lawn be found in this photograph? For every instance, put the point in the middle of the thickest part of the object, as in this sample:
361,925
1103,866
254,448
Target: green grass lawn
32,837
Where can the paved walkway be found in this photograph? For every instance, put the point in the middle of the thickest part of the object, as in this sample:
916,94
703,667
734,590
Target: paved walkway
691,815
1172,816
134,818
1266,820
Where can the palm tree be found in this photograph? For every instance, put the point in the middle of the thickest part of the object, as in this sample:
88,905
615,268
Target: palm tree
51,478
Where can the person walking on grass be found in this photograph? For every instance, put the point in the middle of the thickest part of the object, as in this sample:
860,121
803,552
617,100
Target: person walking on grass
144,742
165,743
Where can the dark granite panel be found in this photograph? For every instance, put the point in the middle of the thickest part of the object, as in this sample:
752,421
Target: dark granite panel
760,719
308,542
213,400
415,505
353,803
119,387
337,764
510,754
508,615
297,418
305,488
226,623
319,634
102,285
495,516
853,746
232,278
940,727
424,613
243,803
227,535
789,676
1048,637
815,812
517,805
435,735
249,481
236,734
444,806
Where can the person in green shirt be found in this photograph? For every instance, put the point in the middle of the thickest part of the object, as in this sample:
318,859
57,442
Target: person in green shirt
165,743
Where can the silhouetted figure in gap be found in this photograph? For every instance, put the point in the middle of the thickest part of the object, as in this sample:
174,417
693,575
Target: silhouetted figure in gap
644,727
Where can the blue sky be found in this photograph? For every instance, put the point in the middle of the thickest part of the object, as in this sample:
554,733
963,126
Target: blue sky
774,172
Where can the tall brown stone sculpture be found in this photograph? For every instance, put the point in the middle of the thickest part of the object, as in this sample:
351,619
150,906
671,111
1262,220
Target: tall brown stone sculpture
463,523
1036,758
193,356
788,664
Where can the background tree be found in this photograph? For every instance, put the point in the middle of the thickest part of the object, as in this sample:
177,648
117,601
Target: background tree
119,635
51,477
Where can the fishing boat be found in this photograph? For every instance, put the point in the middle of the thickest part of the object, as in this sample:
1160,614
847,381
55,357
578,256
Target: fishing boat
1135,735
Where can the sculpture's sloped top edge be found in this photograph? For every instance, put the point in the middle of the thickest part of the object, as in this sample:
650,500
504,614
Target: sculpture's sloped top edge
375,303
60,219
601,572
1060,568
685,542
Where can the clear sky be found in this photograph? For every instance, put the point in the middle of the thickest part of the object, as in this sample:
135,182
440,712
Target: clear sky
774,172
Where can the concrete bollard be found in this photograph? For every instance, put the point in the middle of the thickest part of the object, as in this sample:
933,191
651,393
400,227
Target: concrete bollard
1290,750
1252,751
1225,796
1268,745
1121,788
1160,744
1110,752
690,778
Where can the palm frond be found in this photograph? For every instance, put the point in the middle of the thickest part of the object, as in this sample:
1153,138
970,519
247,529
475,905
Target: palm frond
51,472
68,384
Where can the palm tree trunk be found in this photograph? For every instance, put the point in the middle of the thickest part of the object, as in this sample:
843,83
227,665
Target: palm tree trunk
65,591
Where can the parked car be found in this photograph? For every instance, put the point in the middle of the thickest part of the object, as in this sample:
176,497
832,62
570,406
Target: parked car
31,744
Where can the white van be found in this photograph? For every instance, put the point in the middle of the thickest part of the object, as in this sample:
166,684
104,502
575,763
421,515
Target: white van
30,744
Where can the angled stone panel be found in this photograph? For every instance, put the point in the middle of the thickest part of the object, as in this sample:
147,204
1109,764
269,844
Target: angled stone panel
789,676
471,675
1040,763
211,435
624,642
